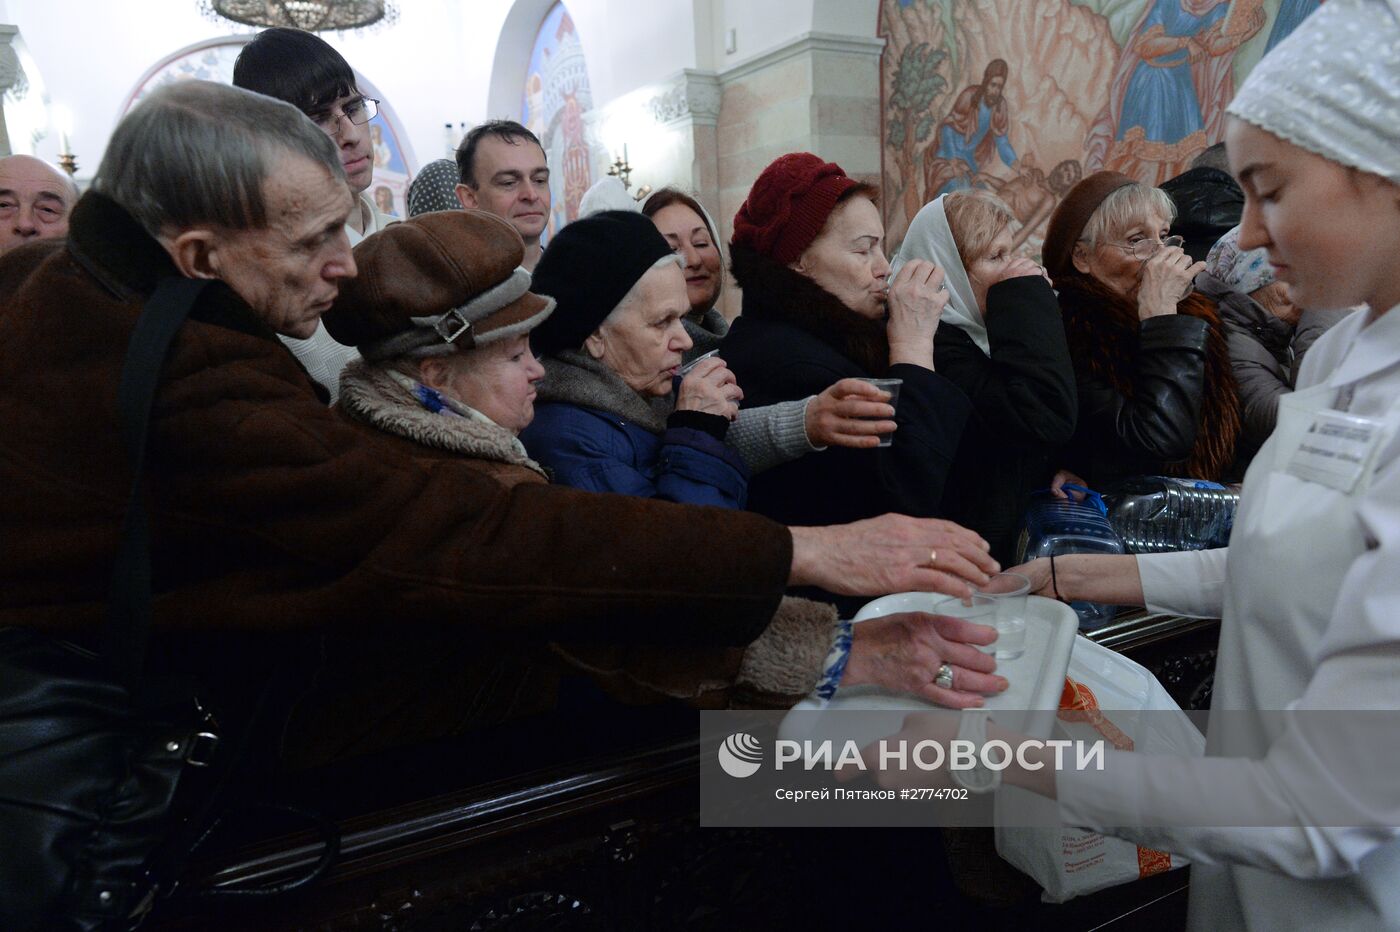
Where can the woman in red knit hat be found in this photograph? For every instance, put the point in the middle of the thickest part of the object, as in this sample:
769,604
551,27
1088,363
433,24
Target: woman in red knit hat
819,305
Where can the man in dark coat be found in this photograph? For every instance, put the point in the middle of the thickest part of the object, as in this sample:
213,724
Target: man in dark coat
272,518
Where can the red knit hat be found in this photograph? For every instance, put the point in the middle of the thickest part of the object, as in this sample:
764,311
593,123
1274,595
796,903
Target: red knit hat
788,206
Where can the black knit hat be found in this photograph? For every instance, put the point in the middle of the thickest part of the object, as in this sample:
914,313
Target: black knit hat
588,268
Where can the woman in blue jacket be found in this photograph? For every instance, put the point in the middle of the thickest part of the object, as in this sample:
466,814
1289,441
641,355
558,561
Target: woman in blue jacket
607,419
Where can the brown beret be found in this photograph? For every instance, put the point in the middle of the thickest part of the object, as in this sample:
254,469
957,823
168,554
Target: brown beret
1072,215
440,280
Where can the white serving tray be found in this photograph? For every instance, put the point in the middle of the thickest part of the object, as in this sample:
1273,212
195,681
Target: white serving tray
1028,705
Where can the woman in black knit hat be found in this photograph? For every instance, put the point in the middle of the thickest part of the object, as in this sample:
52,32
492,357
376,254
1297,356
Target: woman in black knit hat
606,420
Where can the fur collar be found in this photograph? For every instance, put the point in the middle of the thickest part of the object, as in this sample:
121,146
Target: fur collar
1102,331
573,377
370,394
775,292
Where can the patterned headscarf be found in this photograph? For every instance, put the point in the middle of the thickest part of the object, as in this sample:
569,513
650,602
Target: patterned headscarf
1332,87
434,188
1242,271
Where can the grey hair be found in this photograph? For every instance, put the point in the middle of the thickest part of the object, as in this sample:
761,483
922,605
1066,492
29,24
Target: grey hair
1122,208
196,152
632,293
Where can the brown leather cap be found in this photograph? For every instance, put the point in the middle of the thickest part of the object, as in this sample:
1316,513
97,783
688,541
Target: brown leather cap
1072,215
440,280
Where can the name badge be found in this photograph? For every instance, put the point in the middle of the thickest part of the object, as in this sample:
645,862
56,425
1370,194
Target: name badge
1336,450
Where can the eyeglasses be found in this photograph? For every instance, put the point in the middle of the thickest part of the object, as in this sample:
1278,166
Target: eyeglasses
1145,249
359,112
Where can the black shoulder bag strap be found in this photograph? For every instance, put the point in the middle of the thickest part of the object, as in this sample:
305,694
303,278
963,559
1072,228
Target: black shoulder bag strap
128,625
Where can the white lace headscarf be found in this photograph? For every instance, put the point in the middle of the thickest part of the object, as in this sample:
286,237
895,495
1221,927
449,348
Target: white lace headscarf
931,238
1333,86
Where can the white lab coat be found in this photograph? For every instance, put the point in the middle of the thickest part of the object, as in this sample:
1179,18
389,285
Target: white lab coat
1309,594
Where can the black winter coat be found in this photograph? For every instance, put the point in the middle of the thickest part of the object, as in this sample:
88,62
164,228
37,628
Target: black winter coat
794,339
1024,409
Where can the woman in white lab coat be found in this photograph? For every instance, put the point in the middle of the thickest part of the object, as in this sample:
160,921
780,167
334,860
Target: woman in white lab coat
1304,740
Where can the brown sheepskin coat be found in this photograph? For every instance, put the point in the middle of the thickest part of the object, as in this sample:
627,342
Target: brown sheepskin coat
269,514
777,669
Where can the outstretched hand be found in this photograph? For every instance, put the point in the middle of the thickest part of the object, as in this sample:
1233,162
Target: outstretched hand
851,413
1063,478
891,553
904,652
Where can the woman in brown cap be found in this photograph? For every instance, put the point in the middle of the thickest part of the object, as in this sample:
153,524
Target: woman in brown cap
1156,392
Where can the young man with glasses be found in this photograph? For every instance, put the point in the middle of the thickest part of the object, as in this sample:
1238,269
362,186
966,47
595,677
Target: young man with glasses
302,69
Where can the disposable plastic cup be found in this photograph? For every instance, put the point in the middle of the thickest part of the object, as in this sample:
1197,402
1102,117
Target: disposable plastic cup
685,369
1007,592
891,386
980,608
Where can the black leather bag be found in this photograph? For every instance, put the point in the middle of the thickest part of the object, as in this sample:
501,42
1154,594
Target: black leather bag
106,781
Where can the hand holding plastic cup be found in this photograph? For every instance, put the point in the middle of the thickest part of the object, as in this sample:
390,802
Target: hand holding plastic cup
891,386
1006,593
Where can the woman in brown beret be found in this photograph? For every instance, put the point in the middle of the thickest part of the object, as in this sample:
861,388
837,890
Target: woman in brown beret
1156,391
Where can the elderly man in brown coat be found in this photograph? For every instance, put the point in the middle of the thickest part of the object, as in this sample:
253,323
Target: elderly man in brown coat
272,517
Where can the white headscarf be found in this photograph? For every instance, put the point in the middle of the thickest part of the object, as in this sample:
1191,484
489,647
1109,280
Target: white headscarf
714,238
1333,86
606,194
931,238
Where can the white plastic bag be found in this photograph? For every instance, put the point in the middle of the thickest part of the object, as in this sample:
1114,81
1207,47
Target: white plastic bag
1069,862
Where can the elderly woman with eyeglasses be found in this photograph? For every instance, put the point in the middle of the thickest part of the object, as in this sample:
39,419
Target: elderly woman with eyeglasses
1152,366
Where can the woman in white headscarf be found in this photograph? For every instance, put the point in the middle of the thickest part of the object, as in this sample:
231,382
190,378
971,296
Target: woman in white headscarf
1292,820
692,233
1000,340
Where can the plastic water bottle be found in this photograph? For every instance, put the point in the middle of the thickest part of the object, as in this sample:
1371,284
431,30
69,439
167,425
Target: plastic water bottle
1154,514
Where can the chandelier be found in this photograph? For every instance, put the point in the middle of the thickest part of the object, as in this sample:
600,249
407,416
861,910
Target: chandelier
311,15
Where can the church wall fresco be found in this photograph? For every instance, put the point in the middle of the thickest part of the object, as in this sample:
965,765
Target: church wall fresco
556,101
1024,98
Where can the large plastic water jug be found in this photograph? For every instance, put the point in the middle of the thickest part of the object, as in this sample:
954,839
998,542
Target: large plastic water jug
1057,526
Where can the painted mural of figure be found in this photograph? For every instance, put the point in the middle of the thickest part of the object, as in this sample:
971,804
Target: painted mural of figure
577,174
534,105
1032,194
379,146
1290,14
1170,88
972,131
